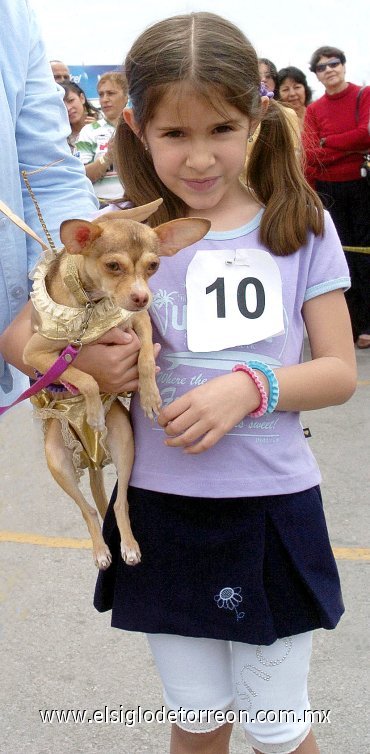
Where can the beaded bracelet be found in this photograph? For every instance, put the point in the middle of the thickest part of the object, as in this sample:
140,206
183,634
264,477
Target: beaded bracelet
261,410
273,383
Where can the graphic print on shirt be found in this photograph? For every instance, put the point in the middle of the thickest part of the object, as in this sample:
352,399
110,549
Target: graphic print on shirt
230,311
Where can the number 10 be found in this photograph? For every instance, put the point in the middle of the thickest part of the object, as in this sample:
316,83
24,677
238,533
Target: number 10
219,287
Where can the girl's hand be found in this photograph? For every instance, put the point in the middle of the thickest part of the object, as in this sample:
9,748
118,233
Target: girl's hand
112,360
199,419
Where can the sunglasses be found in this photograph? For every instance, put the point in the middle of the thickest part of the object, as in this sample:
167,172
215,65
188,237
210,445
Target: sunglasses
331,64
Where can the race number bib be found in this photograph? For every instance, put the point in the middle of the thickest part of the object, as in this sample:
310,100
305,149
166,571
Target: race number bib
233,298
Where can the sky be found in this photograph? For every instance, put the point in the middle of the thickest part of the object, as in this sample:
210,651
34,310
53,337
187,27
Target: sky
92,32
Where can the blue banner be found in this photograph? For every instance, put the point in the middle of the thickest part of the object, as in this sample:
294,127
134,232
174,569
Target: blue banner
87,77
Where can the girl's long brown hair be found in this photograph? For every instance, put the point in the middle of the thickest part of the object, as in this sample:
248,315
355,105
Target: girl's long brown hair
214,58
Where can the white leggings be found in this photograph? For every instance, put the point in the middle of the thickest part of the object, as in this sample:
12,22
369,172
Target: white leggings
209,682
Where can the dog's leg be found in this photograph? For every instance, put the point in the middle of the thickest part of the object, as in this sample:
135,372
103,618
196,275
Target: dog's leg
150,398
121,445
59,460
40,353
90,390
98,490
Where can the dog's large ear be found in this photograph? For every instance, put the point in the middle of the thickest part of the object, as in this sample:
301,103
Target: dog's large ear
177,234
78,235
133,213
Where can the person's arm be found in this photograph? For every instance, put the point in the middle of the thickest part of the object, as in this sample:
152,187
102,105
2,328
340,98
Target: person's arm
329,379
86,147
199,418
112,360
97,169
317,153
35,129
356,139
42,127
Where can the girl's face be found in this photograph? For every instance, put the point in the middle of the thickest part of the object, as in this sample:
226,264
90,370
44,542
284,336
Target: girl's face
293,93
75,106
197,152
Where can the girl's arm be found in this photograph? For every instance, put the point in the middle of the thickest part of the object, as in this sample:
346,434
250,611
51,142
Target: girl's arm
198,419
112,360
14,339
330,378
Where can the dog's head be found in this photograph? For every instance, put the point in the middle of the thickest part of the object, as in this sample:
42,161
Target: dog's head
117,254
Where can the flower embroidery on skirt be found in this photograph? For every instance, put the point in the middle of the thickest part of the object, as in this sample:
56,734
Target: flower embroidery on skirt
229,598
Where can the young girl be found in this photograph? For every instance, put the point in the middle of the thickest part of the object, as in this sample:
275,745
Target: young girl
237,568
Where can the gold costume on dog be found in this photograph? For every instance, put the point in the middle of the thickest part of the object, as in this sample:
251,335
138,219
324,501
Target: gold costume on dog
89,449
59,322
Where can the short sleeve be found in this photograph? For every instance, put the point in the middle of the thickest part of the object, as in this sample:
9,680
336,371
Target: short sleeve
328,269
86,145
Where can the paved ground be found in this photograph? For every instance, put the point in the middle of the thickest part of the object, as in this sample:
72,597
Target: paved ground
58,653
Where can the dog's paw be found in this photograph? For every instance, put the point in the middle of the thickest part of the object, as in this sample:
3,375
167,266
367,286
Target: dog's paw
103,558
96,420
151,403
131,555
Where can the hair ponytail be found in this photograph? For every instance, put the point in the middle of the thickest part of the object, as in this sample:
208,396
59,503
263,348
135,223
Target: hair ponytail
275,175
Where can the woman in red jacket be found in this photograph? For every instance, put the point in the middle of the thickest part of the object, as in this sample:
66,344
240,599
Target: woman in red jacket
335,139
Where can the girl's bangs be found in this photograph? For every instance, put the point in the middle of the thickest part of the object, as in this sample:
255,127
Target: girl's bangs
213,94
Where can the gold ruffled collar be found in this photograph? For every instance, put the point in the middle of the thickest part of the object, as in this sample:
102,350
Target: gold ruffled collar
59,322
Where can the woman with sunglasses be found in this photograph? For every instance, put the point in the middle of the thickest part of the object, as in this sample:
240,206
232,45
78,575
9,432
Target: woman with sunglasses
335,139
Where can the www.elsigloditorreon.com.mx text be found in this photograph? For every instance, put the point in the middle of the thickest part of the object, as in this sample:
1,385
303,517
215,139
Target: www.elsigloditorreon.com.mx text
131,717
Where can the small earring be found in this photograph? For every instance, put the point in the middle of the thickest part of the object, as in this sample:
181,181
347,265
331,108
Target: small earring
250,138
147,151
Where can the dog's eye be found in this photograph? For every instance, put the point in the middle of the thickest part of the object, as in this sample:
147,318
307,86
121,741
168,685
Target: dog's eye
113,267
153,267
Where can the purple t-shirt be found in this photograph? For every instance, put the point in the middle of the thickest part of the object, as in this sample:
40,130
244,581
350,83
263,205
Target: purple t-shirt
241,287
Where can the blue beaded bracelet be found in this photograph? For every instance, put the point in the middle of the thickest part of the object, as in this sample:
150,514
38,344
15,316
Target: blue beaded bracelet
273,383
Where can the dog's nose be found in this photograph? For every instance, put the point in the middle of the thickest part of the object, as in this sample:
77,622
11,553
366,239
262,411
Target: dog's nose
139,299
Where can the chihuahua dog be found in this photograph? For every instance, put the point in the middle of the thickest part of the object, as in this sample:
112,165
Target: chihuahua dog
105,263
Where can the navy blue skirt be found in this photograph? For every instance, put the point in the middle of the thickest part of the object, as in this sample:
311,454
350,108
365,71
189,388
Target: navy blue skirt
241,569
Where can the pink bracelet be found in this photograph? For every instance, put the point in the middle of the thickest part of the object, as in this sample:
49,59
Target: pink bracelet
262,408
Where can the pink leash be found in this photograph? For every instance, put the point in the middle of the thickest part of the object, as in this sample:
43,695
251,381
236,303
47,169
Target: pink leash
60,365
